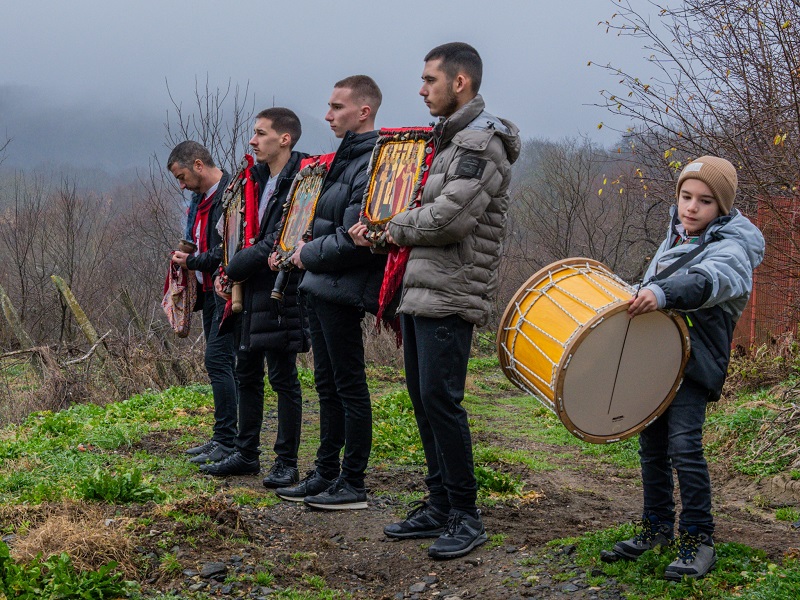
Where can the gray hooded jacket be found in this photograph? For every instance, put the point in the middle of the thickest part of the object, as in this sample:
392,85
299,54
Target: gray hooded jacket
456,233
711,290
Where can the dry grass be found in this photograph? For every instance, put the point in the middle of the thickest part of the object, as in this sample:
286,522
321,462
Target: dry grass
764,366
70,377
81,531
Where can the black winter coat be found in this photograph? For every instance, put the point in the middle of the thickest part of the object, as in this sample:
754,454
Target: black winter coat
337,270
268,324
208,262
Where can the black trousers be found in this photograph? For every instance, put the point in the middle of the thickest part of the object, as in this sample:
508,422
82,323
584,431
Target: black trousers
219,362
675,441
282,373
345,410
436,352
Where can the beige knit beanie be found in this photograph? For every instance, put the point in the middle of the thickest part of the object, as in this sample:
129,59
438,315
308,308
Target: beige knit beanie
718,174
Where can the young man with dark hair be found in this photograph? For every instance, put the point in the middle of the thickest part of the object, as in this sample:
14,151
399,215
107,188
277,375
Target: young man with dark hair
193,167
451,276
267,329
341,282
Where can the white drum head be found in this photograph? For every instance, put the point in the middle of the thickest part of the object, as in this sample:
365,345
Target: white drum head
621,373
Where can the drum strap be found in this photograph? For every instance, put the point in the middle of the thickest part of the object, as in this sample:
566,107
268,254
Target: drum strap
685,258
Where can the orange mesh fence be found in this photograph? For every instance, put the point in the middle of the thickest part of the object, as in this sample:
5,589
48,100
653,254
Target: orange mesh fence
773,311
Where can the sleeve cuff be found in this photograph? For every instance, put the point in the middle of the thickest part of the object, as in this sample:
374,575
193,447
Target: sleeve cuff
661,297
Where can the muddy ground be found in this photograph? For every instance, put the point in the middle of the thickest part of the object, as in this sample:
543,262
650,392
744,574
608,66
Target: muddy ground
349,551
221,545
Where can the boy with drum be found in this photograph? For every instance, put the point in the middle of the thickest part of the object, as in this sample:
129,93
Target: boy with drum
704,269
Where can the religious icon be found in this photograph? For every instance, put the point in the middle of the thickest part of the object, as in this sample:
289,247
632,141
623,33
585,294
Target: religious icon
396,174
298,213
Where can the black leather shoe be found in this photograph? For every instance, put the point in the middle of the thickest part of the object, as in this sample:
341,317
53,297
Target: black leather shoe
462,533
207,447
423,521
235,464
281,475
312,484
339,496
216,454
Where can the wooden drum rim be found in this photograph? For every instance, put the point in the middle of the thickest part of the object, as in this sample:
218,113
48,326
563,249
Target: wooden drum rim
523,289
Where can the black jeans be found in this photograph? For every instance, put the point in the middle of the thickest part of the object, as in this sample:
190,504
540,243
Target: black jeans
282,373
436,352
219,362
345,411
675,440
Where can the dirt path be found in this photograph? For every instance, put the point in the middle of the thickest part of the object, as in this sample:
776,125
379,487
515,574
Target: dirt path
349,551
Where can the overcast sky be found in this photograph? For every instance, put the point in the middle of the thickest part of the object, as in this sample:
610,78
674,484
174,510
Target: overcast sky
107,59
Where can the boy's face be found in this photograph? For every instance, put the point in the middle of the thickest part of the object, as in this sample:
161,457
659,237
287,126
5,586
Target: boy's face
697,206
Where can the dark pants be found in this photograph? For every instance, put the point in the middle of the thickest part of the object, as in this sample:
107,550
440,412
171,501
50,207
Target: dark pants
436,352
345,412
282,373
219,363
675,441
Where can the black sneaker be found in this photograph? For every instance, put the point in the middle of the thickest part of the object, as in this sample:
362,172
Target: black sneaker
423,521
234,464
281,475
205,448
339,496
653,533
696,556
311,485
215,454
462,533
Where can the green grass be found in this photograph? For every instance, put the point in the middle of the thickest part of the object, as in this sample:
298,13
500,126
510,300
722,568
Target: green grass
741,572
132,451
751,422
55,577
395,437
88,451
787,514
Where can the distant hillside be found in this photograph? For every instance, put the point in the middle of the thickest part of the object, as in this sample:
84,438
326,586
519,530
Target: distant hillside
47,133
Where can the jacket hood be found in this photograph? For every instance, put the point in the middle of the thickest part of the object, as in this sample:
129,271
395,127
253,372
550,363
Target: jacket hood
734,226
473,117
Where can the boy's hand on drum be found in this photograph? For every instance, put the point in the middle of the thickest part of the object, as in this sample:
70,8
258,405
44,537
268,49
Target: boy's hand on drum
643,302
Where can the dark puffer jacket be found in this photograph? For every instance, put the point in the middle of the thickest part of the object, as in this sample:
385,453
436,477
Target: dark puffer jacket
338,271
208,262
268,324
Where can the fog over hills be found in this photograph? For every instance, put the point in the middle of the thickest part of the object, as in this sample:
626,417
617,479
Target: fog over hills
48,134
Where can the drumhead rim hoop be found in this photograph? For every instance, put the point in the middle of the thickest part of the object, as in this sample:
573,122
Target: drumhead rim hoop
523,289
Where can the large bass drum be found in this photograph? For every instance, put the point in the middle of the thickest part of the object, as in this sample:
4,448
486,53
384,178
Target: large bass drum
566,338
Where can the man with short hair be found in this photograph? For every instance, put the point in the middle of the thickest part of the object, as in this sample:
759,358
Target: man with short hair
268,329
341,282
450,278
193,167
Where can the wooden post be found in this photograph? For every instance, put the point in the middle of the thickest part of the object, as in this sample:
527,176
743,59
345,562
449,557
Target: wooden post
140,325
12,317
88,330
